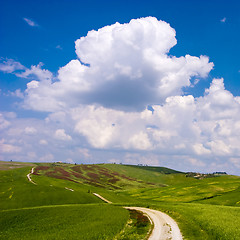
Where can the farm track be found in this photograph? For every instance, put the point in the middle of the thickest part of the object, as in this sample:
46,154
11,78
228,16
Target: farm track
165,228
46,206
102,198
29,176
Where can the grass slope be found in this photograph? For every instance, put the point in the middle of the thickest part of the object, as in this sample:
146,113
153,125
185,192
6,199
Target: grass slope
162,170
152,175
94,175
17,192
194,190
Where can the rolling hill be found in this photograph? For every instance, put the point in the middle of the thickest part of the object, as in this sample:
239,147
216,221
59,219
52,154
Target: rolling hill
204,208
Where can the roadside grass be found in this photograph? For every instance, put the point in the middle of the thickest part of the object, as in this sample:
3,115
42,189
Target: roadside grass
204,222
100,222
138,227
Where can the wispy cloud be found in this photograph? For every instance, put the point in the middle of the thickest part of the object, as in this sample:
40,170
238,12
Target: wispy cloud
30,22
10,65
223,20
59,47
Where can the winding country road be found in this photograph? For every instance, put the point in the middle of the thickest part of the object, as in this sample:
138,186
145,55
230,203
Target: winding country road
165,228
29,176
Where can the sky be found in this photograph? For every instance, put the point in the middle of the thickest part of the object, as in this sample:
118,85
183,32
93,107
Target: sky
132,82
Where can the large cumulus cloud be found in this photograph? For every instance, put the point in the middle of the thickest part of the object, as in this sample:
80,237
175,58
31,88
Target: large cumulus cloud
122,66
204,126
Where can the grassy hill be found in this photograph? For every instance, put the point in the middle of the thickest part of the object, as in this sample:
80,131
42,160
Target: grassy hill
204,208
17,192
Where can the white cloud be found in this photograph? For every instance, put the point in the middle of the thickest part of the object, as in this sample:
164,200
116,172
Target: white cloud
32,155
84,152
8,148
10,66
56,117
235,162
61,135
17,93
30,130
129,69
30,22
223,20
10,115
219,147
37,71
207,125
15,131
3,122
59,47
195,162
69,160
43,142
140,141
47,158
33,84
136,158
200,149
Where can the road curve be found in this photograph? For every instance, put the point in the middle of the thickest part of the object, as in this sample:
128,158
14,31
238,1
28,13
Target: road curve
29,176
165,228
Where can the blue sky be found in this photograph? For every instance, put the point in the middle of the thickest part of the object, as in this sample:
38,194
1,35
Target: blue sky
45,32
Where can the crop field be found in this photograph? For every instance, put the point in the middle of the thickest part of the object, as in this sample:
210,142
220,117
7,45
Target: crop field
94,175
205,191
63,222
12,165
203,221
61,203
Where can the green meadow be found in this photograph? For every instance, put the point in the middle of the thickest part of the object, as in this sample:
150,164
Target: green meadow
61,204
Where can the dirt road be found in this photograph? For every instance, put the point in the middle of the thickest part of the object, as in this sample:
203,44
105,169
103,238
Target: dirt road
29,176
99,196
165,228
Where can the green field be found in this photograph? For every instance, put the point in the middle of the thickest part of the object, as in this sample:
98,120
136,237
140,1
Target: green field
61,204
17,192
200,221
63,222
